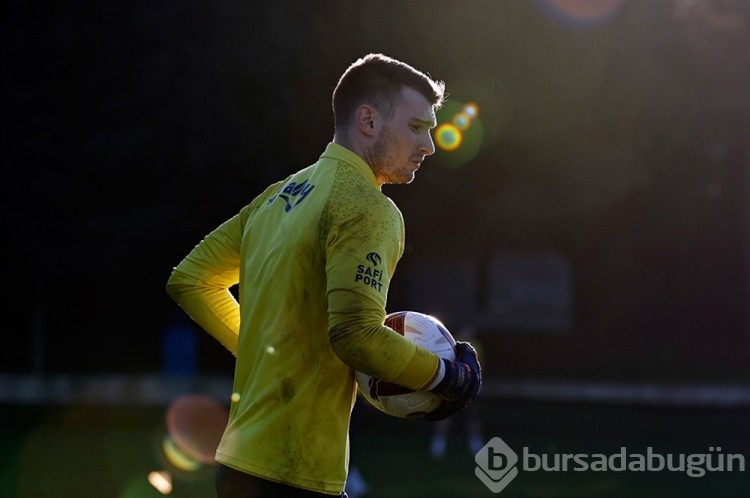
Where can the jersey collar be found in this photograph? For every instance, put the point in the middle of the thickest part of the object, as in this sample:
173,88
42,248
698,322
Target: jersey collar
341,153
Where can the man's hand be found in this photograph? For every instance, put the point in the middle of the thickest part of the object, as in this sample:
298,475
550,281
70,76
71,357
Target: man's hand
460,384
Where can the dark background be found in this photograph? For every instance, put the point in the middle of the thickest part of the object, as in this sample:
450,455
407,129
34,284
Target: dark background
134,128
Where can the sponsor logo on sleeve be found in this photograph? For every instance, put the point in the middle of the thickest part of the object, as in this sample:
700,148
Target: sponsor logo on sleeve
369,274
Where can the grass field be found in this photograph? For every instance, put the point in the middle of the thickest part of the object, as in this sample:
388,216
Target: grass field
102,452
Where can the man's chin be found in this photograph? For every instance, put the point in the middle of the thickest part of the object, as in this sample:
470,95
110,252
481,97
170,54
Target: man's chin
409,177
400,180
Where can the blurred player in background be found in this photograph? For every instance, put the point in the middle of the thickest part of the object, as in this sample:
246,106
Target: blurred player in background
356,485
313,257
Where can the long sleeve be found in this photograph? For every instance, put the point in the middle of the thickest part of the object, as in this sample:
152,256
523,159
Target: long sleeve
363,235
362,341
201,283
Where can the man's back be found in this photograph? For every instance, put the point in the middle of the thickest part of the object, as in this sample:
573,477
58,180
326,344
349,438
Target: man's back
323,230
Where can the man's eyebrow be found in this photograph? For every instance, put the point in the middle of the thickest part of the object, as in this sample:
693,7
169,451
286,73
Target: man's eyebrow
430,123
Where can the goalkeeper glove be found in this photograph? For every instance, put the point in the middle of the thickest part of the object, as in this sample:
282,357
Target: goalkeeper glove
459,385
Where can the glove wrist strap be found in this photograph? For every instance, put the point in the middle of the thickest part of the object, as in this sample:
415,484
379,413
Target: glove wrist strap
446,367
439,376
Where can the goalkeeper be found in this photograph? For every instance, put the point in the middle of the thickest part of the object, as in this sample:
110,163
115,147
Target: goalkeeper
313,256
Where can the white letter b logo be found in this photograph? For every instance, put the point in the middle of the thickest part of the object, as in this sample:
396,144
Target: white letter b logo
496,464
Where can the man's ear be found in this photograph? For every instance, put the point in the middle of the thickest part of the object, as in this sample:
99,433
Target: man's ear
367,120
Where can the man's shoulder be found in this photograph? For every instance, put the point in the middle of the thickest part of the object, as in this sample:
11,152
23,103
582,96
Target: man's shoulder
350,186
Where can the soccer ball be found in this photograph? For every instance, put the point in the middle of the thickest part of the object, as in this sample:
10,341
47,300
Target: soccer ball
426,331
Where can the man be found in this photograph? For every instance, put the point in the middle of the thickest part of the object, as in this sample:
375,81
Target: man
313,256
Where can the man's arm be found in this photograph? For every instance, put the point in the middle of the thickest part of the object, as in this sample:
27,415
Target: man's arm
200,283
360,339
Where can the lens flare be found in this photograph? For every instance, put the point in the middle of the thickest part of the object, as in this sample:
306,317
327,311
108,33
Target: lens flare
144,488
195,424
471,110
581,13
177,457
161,481
462,120
448,137
461,133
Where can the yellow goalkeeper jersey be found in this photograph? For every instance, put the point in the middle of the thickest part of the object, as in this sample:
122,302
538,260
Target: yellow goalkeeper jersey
313,257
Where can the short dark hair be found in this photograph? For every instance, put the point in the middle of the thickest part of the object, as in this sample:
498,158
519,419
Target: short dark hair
378,80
